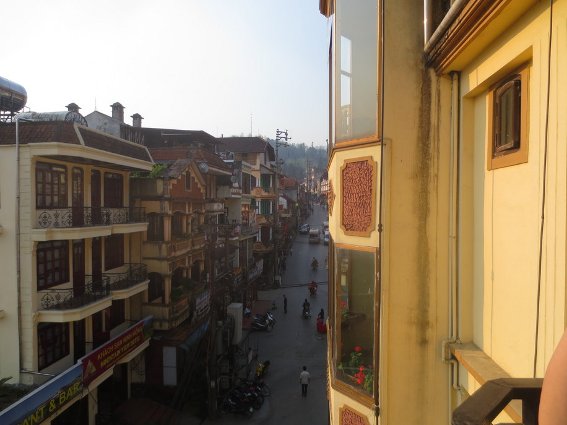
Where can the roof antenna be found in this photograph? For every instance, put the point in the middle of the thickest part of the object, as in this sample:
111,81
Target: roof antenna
95,103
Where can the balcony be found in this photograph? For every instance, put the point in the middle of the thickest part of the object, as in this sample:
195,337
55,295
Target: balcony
131,280
494,396
148,188
229,192
263,192
167,249
75,303
85,222
214,207
168,316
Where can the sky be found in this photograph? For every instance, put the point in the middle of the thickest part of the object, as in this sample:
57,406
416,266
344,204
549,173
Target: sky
228,67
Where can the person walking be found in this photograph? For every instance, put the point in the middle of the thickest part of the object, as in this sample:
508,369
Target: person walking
304,378
284,304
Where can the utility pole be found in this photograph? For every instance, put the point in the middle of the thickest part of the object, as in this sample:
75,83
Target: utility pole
281,140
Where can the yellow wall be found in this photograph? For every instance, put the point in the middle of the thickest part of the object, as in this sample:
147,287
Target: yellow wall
501,208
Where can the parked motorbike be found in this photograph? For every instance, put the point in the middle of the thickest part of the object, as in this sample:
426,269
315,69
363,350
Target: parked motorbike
232,404
268,317
261,324
262,369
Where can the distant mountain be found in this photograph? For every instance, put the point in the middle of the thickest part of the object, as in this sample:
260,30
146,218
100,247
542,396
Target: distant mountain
296,156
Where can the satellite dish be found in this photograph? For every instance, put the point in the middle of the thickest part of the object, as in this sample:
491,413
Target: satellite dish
203,167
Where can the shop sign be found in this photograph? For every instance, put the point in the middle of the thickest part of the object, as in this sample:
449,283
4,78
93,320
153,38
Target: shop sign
105,357
45,401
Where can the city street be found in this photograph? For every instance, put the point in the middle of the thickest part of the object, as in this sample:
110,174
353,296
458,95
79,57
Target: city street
294,342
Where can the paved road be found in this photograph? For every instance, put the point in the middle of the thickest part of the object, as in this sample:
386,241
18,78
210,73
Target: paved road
294,343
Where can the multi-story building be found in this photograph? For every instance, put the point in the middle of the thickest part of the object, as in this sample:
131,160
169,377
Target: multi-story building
447,205
73,282
260,155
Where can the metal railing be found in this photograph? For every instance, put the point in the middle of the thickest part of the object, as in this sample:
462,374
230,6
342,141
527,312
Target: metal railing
490,399
78,296
134,274
87,216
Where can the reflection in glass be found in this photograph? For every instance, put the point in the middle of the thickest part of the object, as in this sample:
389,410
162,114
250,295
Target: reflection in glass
354,319
356,77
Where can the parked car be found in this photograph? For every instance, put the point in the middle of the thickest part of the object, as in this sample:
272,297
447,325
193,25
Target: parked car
304,229
326,238
314,235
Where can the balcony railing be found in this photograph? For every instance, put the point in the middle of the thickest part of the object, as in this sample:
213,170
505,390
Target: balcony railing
488,401
133,275
263,192
77,296
47,218
168,316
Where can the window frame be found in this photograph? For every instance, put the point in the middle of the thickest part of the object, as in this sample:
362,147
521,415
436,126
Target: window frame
155,232
54,171
188,186
113,190
58,343
113,251
506,156
337,383
337,73
48,249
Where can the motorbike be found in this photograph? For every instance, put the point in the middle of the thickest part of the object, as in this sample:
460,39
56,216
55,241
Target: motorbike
262,369
306,312
313,289
268,317
314,265
232,404
261,324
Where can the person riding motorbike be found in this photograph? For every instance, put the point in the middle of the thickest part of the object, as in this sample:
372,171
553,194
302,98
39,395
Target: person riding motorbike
306,308
313,288
314,263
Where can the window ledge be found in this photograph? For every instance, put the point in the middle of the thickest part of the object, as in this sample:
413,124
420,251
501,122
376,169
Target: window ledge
483,369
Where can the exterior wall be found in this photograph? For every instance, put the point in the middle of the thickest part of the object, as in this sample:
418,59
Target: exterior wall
102,122
501,217
414,285
10,350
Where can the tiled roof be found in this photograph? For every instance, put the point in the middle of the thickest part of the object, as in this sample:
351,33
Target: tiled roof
246,145
64,132
166,137
212,159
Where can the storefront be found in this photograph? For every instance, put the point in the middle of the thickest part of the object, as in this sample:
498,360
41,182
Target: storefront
73,396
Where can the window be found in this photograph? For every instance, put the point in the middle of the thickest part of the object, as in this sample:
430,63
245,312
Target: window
155,227
354,301
187,181
53,343
113,190
356,70
508,121
265,207
266,182
52,263
50,186
177,224
113,251
117,314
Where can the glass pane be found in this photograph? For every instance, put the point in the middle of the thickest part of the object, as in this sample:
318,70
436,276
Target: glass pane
354,307
356,51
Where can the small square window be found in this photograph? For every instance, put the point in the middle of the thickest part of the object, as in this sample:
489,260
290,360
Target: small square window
508,121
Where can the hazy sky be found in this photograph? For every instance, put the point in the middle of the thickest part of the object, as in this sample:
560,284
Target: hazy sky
189,64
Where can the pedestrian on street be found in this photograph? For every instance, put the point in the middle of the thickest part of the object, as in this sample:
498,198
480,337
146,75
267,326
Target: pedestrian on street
304,378
284,303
